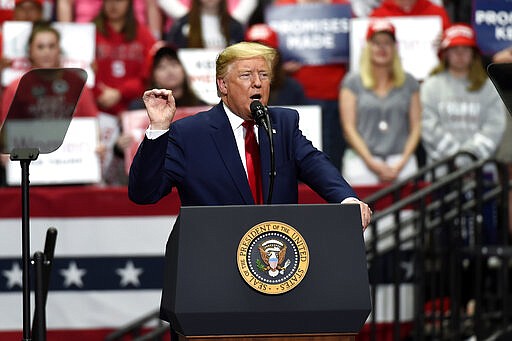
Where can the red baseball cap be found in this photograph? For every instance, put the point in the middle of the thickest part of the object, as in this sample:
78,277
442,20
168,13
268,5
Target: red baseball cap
458,35
262,33
380,25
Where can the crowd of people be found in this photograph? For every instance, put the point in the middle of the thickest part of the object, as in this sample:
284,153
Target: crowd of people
376,121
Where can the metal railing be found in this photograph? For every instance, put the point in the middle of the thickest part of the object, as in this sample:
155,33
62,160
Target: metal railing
438,245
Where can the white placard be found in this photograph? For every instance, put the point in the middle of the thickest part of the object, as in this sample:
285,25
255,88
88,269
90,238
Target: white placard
310,122
416,37
199,64
109,133
76,161
77,41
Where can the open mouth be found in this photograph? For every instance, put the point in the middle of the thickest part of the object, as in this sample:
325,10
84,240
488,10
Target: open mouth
256,96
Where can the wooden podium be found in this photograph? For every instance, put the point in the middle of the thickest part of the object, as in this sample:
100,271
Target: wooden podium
266,273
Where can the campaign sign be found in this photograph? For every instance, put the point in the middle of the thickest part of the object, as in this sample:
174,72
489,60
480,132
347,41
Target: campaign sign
492,21
416,40
75,52
76,161
199,64
135,122
313,34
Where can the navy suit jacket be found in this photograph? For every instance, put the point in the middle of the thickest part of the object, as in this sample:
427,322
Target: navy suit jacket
200,158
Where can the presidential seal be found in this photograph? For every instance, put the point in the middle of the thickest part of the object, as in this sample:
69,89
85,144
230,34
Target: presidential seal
273,257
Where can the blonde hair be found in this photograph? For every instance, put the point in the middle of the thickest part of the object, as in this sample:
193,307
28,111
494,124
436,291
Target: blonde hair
243,50
367,76
476,75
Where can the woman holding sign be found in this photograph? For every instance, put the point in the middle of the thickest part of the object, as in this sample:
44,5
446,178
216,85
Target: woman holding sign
44,52
47,99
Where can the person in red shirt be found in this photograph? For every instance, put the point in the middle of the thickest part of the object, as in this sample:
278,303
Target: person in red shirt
321,83
24,10
47,99
399,8
44,52
122,45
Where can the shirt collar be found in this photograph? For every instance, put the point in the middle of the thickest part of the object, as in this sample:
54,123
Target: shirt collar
234,120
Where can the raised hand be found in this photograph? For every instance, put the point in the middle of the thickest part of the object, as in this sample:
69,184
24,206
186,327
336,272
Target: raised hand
161,108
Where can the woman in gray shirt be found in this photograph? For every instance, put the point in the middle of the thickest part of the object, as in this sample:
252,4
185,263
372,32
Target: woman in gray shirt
380,113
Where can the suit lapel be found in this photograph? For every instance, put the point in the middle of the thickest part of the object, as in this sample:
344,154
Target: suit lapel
224,140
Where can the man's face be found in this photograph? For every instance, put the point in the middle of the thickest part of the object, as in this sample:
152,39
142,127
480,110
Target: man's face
245,81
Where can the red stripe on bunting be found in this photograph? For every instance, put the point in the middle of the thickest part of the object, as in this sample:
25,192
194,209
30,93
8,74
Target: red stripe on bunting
97,201
82,201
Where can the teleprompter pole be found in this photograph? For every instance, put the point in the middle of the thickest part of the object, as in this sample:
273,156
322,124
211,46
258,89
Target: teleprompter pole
25,156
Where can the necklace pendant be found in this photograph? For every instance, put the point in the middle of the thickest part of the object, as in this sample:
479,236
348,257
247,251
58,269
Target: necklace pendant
383,126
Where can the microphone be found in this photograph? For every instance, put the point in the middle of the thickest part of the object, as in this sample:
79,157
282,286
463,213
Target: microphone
259,113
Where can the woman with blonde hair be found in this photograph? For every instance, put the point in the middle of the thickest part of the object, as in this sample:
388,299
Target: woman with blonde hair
380,113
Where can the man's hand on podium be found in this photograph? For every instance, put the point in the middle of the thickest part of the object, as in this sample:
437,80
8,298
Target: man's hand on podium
366,212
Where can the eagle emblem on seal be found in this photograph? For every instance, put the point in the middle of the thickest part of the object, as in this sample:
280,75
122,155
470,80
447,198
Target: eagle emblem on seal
273,254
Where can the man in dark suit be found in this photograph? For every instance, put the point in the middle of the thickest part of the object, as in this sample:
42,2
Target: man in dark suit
203,156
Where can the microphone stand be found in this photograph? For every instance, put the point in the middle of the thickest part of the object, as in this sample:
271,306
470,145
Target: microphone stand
272,174
262,117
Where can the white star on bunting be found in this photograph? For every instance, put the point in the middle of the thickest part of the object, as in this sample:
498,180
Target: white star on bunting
14,276
73,275
129,274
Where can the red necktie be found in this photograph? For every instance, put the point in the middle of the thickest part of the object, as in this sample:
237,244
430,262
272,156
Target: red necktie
252,159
